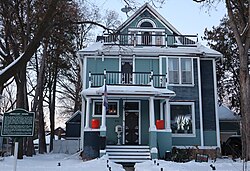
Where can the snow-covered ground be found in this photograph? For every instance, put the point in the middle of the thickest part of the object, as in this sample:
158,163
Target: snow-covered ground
219,164
51,162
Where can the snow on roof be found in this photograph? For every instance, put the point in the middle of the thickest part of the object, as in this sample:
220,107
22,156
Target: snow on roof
94,47
99,48
225,114
129,90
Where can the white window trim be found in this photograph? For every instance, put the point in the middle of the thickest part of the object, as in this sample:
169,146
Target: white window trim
146,20
180,81
193,119
109,116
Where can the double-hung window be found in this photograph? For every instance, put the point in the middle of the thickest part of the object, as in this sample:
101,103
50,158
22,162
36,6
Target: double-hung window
180,71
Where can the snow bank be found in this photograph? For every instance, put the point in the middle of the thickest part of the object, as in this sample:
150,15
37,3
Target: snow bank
58,162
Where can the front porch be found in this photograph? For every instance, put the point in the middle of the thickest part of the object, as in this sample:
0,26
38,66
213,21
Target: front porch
135,110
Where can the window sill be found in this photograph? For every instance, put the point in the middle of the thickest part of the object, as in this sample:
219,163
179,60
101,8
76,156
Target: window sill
181,85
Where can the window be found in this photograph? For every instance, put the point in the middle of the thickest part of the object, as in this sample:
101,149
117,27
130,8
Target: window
173,68
186,71
146,24
182,118
180,71
112,109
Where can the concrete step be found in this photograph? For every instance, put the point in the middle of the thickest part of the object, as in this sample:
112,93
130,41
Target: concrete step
128,153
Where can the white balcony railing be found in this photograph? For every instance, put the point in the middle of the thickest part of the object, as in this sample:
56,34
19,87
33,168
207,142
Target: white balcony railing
133,78
150,40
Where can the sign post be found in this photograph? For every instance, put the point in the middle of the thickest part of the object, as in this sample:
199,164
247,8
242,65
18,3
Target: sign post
18,123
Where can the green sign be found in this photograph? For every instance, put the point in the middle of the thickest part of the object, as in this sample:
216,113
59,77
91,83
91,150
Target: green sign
18,123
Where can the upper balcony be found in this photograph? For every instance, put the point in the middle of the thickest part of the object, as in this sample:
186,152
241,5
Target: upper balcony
127,79
150,39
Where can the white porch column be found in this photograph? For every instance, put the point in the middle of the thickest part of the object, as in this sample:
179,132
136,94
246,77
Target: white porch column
152,126
82,124
167,116
103,125
87,114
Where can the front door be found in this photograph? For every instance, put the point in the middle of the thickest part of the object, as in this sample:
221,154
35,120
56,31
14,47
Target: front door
131,123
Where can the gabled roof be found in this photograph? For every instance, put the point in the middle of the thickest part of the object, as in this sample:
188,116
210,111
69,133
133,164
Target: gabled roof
148,7
225,114
73,116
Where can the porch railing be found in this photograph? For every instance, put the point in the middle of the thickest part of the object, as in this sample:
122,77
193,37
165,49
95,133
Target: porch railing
132,78
150,40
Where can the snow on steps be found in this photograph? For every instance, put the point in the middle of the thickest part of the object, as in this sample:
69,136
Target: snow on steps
128,153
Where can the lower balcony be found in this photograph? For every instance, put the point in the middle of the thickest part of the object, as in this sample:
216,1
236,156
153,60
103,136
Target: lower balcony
130,78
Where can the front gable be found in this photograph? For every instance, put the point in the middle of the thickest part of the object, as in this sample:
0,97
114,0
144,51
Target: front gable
147,14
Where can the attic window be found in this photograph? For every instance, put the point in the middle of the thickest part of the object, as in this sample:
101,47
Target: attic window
146,24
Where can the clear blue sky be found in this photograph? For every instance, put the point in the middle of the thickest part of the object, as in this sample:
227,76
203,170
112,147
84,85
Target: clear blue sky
186,16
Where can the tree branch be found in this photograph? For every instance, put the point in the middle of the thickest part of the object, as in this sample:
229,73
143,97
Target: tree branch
43,27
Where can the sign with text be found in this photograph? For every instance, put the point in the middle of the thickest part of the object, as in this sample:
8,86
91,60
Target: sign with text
18,123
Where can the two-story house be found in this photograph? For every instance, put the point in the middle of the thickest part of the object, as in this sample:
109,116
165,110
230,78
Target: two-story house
153,85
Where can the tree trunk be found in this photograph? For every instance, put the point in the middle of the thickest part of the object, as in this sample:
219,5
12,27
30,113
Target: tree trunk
38,101
245,107
243,41
21,101
41,129
52,107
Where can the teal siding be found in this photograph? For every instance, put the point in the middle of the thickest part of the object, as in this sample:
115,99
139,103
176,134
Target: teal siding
208,102
97,65
144,122
146,65
210,138
164,67
187,141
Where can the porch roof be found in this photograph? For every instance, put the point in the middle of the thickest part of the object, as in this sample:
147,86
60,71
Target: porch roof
132,91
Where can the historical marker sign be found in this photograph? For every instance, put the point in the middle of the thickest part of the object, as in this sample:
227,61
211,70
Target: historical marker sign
18,123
